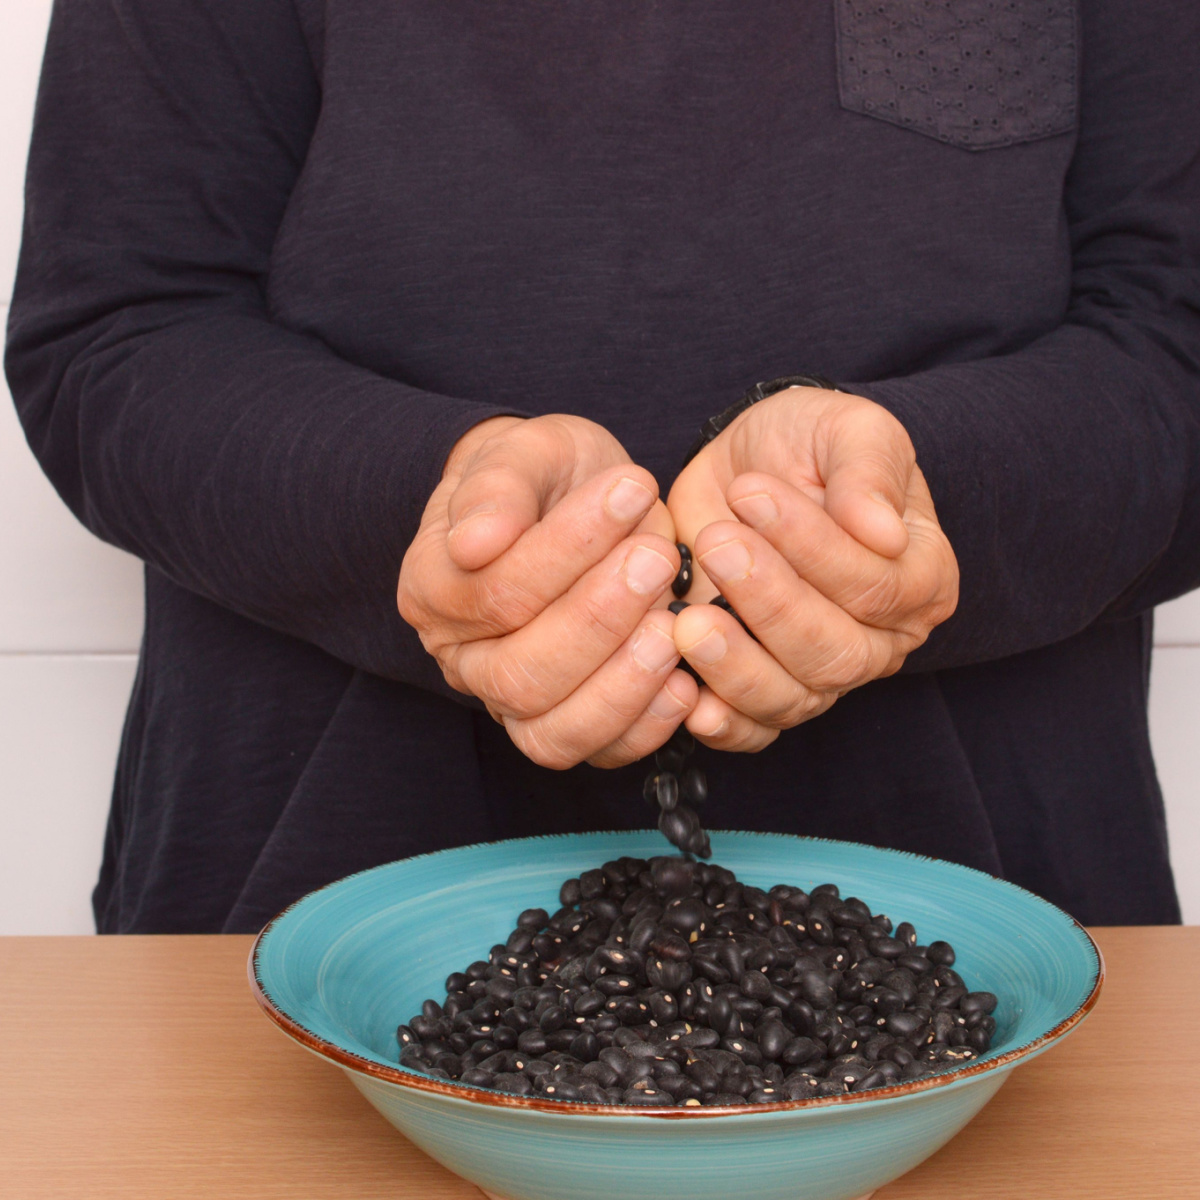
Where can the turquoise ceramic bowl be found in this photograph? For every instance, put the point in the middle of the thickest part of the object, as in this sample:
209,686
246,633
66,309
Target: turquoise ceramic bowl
341,968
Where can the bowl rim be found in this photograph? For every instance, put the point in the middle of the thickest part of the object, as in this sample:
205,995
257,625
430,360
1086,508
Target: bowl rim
349,1060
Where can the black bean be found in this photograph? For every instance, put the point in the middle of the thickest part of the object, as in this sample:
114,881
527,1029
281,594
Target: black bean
813,988
413,1058
886,947
666,790
686,916
683,581
802,1050
941,1028
873,1079
978,1039
902,983
584,1047
984,1002
552,1020
801,1017
800,1085
589,1003
504,1037
704,1073
979,1020
756,985
941,954
533,1042
693,784
667,973
428,1027
510,1082
646,1097
601,1073
905,1024
474,1077
533,919
947,977
773,1036
670,945
883,1000
676,824
744,1047
948,997
672,876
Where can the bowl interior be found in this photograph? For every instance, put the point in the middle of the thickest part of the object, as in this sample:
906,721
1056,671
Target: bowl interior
350,962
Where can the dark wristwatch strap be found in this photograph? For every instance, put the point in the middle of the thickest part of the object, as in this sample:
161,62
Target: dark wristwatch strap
760,391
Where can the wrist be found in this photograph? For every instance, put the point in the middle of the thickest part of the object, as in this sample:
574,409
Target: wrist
715,426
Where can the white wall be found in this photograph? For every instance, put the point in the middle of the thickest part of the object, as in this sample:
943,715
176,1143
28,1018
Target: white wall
70,621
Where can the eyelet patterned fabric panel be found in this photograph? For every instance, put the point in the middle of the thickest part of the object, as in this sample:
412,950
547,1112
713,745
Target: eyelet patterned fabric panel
973,73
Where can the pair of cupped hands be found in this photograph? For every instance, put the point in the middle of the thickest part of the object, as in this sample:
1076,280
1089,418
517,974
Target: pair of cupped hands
541,573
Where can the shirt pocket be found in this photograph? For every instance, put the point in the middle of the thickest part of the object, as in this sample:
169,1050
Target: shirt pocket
972,73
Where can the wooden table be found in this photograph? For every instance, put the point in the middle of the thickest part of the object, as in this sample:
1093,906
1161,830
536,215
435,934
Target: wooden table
140,1067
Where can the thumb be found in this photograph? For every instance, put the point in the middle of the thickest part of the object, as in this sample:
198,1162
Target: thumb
867,461
500,494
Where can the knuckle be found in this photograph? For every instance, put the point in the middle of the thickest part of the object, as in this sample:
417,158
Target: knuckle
875,596
617,754
800,707
750,739
508,685
599,620
853,664
774,609
506,603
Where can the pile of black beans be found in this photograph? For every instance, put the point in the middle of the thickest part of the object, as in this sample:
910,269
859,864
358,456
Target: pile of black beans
668,982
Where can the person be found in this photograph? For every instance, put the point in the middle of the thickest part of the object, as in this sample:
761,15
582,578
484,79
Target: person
333,313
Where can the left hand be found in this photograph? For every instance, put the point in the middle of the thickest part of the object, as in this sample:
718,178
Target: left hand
810,515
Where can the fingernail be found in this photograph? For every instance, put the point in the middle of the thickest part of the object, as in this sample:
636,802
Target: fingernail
477,511
756,510
646,571
728,562
665,705
628,500
712,733
653,649
709,649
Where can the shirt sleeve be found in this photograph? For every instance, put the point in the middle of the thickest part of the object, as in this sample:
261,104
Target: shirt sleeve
246,462
1067,474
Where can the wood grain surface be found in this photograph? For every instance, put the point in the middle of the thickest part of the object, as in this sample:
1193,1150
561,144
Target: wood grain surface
140,1066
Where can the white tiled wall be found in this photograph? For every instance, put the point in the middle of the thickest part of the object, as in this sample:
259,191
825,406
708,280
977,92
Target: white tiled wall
70,620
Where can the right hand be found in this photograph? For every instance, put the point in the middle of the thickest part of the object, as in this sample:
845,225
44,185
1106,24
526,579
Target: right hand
539,580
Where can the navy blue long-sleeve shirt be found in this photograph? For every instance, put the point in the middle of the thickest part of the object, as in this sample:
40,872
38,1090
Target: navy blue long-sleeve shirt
280,254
